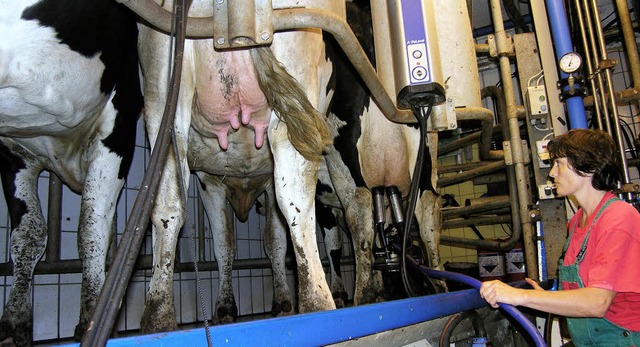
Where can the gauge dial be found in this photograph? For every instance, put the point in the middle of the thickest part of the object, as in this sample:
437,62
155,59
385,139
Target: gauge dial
570,62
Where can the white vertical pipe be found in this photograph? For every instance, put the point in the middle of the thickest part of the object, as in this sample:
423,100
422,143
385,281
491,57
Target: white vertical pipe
522,179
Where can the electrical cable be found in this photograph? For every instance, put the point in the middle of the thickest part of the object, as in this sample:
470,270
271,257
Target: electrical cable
421,115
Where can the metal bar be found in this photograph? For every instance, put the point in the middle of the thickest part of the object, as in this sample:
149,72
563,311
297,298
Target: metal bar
521,177
611,91
495,203
54,208
588,60
485,116
633,59
465,141
460,223
457,168
145,262
597,72
469,174
289,19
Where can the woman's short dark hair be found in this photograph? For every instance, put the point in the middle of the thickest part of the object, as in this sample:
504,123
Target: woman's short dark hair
589,152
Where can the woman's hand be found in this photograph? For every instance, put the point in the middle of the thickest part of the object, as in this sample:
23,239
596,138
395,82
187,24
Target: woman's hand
495,292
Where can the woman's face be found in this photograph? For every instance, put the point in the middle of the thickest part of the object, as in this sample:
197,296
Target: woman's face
566,180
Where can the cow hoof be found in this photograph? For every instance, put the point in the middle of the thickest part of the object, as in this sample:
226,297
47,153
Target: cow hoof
15,335
78,333
225,315
157,317
341,299
281,309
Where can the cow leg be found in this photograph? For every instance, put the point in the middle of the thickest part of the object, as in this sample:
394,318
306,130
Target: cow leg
275,243
167,219
358,212
295,177
213,194
28,242
295,180
168,215
101,190
333,247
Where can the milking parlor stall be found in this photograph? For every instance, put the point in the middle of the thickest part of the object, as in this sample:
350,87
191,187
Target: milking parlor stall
436,116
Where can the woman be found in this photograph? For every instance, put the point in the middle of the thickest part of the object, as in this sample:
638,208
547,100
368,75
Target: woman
599,270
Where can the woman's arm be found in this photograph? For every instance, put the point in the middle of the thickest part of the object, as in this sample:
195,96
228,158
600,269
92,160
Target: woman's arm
582,302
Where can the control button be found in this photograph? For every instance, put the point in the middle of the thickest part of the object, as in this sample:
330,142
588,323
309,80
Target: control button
419,73
417,54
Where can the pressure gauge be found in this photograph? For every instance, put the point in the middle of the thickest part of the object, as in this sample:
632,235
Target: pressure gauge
570,62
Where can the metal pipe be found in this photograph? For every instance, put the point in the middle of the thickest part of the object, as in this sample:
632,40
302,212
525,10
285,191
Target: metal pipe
521,176
54,208
587,59
495,203
467,222
485,116
200,231
600,91
611,91
512,182
624,96
490,179
145,262
469,174
633,60
158,17
289,19
457,168
465,141
562,39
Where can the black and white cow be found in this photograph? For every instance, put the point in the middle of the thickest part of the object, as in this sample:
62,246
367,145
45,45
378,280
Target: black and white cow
69,103
236,118
368,151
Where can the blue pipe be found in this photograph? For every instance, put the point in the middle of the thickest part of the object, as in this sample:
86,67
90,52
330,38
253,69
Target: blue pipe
472,282
562,39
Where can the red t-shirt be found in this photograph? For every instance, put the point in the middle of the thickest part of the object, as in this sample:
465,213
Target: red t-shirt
612,259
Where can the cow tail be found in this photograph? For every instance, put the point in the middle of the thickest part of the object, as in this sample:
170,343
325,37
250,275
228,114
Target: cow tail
307,128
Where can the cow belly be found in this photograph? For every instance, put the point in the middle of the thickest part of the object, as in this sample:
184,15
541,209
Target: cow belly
44,96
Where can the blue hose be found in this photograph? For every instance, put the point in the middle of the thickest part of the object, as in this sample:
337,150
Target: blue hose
470,281
562,40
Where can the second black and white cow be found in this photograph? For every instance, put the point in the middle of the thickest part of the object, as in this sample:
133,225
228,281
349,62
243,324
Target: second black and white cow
368,151
69,103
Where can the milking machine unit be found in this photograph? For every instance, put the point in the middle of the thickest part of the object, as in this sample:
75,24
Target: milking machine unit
419,86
